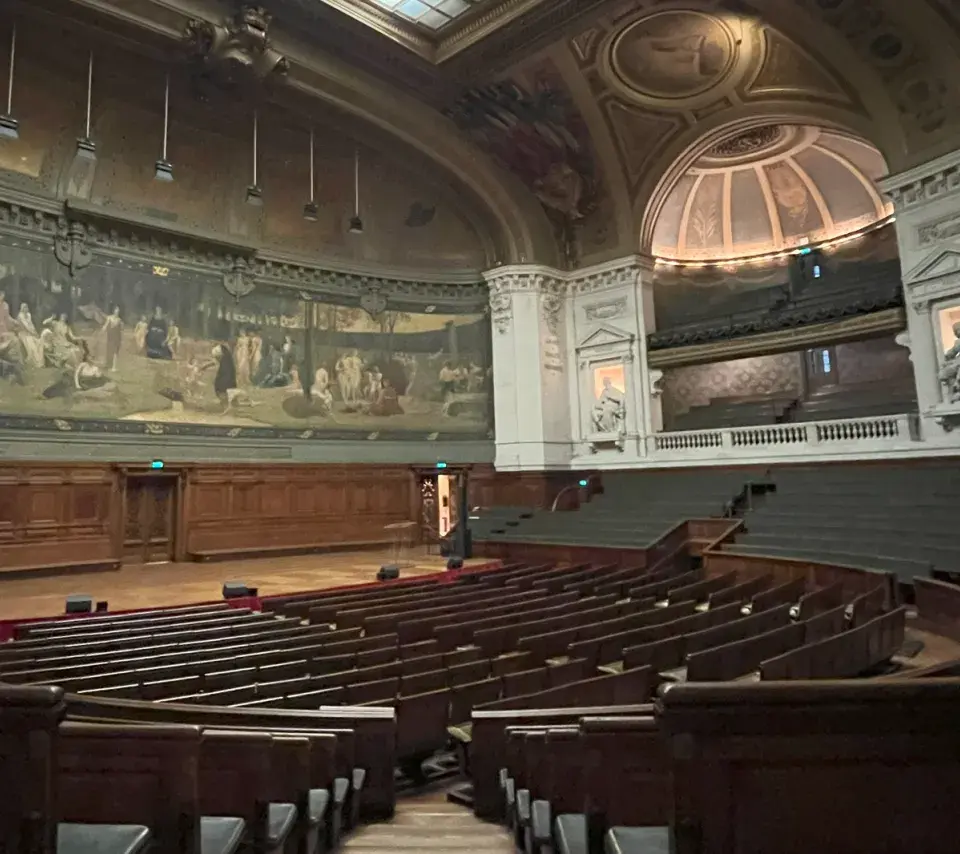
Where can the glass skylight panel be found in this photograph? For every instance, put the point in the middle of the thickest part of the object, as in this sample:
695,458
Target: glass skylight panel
430,14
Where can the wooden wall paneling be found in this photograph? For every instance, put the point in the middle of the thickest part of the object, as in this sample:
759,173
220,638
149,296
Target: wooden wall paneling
58,516
250,509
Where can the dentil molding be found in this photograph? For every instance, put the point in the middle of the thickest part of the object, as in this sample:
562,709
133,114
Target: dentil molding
926,183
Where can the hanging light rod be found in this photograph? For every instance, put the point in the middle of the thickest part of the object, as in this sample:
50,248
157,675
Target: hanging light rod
311,212
254,193
356,224
9,126
86,148
164,168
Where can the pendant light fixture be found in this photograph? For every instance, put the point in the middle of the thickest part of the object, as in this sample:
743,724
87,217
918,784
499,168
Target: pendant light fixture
311,212
356,224
86,149
164,168
254,193
9,126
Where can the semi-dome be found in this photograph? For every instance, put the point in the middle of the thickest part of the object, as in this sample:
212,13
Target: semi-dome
769,190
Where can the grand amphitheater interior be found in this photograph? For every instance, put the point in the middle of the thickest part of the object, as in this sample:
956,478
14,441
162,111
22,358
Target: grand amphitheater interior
479,425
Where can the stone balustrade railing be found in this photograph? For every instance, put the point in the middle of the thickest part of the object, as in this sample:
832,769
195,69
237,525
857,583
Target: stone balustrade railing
852,434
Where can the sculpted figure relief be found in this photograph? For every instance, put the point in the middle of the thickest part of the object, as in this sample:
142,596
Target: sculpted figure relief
609,411
950,372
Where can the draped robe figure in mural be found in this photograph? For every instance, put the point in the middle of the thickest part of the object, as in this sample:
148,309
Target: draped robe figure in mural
112,330
29,337
155,342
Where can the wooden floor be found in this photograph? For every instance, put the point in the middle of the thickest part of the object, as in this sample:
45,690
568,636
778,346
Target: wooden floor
170,584
428,823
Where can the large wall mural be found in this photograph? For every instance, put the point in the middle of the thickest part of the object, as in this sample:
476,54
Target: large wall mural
532,128
132,347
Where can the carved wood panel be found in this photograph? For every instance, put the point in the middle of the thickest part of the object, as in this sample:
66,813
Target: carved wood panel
276,507
57,515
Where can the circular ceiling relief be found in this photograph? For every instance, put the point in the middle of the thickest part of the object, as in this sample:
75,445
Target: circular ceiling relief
672,58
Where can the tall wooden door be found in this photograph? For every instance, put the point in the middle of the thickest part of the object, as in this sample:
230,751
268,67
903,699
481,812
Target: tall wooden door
150,518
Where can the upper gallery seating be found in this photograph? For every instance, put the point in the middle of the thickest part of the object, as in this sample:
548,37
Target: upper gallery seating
864,400
746,411
896,517
857,401
233,752
851,289
634,510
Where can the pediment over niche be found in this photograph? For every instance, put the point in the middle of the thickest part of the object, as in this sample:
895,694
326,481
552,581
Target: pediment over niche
605,337
943,262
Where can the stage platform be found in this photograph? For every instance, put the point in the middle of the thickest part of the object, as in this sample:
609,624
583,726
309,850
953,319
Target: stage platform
170,584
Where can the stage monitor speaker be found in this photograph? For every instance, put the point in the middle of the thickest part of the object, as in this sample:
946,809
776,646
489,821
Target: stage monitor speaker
388,572
102,606
235,590
79,604
455,562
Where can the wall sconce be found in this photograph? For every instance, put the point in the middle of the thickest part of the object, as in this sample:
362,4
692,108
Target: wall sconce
254,193
9,126
356,224
311,212
164,168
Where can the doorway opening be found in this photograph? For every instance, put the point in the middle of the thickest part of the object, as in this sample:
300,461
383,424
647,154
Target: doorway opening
150,518
820,369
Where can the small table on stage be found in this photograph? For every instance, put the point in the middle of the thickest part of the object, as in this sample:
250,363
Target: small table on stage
404,534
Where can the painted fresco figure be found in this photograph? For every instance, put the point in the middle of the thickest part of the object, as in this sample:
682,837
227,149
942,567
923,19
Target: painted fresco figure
387,402
242,359
29,338
156,338
173,339
60,345
6,321
320,391
140,334
349,370
113,333
225,380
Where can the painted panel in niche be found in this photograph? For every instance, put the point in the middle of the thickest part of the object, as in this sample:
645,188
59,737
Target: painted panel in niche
130,344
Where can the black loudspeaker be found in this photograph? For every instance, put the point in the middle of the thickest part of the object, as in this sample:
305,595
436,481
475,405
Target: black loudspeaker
388,572
455,562
102,607
235,589
79,604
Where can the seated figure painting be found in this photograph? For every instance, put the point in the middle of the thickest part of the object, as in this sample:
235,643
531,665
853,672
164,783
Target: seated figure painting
125,345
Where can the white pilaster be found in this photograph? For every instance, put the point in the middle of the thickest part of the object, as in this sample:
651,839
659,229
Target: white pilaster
927,204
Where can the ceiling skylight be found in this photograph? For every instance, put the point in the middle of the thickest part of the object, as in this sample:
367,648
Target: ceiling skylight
431,14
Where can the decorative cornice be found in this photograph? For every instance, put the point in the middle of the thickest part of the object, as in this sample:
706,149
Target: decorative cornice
75,230
785,341
924,183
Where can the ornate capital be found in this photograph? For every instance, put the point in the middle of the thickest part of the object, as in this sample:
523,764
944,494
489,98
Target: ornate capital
551,306
501,307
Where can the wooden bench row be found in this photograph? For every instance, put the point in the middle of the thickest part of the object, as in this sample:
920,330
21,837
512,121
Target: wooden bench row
186,787
851,766
843,655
